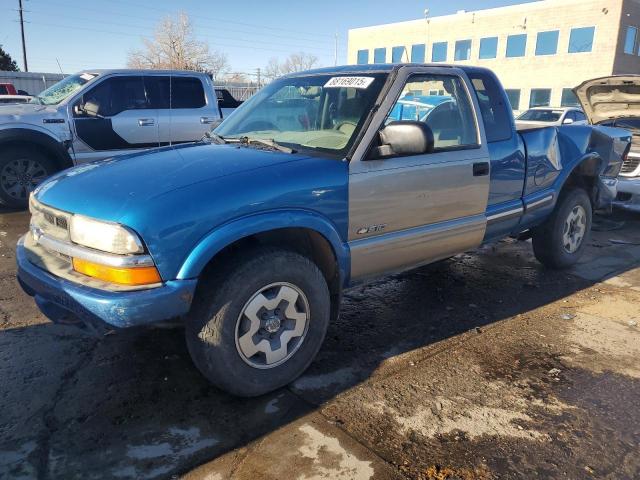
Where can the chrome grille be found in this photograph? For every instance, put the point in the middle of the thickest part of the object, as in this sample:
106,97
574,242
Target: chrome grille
630,165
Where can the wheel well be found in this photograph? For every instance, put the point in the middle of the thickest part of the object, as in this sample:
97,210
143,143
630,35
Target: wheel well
59,161
584,176
305,241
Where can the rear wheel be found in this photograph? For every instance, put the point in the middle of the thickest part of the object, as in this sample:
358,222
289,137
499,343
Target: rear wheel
21,170
258,322
560,242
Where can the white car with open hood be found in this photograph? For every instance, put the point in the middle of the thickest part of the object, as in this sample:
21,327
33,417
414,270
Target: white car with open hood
615,101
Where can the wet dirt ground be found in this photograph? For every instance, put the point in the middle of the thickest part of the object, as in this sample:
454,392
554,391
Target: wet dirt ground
484,366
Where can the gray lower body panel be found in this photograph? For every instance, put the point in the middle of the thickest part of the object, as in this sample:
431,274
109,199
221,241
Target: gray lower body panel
405,249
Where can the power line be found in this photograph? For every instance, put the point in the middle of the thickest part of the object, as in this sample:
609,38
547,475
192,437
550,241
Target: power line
298,34
128,3
213,37
229,45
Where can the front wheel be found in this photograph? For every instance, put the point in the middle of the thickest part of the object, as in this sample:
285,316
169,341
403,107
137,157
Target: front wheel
21,170
258,321
560,241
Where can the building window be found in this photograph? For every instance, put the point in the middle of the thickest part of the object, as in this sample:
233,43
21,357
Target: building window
380,55
488,47
463,50
581,39
516,45
363,57
569,98
439,52
514,98
547,43
396,54
417,53
630,40
540,97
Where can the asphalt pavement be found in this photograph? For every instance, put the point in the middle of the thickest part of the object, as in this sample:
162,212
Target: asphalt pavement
484,366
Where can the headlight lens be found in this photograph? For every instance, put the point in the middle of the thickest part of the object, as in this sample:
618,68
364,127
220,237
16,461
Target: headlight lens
108,237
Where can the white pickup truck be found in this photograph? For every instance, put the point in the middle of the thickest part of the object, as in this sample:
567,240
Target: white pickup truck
98,114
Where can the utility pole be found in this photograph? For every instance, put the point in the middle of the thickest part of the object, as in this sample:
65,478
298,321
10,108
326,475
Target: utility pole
335,51
258,70
24,45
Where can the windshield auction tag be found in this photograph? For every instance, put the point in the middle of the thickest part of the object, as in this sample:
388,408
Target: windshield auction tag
87,76
349,82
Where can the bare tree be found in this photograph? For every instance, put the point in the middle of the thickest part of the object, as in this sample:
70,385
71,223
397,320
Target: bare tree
272,70
296,62
175,47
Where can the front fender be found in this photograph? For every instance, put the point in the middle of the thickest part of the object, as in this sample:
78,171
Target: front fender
243,227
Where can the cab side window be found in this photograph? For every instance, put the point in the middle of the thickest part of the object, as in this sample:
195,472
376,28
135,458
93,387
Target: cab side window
579,116
187,92
442,103
175,92
494,107
113,96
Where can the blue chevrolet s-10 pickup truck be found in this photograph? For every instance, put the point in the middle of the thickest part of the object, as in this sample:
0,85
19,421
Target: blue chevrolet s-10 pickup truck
322,180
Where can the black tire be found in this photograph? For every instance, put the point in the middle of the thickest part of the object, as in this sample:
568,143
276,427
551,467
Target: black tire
14,192
548,239
215,315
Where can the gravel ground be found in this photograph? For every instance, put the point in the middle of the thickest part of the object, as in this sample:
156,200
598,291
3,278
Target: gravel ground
484,366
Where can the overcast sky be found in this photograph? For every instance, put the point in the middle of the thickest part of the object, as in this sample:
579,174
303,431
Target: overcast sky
100,33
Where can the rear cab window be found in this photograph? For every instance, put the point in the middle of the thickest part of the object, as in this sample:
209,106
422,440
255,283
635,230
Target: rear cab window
494,107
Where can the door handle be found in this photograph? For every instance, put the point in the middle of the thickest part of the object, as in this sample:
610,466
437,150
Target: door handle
480,169
146,122
206,120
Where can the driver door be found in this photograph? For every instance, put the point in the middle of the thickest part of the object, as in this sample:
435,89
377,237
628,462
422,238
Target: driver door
113,118
410,210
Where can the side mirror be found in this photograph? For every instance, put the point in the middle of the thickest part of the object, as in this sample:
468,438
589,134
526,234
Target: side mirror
567,121
403,138
88,108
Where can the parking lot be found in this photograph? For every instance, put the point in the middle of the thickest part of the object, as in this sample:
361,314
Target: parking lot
483,366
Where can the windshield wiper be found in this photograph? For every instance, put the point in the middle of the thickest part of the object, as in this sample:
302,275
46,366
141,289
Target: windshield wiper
218,139
260,141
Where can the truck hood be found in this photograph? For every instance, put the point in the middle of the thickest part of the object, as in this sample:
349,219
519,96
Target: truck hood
609,98
27,112
107,189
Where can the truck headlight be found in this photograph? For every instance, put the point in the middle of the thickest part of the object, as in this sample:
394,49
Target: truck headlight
108,237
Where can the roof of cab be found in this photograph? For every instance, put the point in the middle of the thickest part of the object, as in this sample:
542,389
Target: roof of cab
129,71
381,68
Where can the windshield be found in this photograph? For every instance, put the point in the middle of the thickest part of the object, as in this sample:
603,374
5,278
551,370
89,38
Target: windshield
322,113
61,90
541,115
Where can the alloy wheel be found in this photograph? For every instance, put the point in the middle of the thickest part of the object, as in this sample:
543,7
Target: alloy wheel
19,177
272,325
575,228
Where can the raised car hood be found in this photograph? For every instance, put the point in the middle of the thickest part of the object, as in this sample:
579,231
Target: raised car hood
608,98
108,188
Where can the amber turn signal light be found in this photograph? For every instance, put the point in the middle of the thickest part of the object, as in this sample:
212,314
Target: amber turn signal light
132,276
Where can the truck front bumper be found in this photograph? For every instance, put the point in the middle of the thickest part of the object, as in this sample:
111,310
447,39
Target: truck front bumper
628,197
100,311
